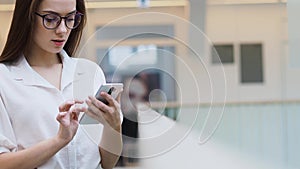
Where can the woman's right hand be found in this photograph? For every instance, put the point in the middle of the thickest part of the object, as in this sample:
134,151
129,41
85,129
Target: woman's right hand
35,156
68,119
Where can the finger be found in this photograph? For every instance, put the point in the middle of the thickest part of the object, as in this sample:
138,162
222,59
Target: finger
77,108
92,108
66,105
110,113
94,112
109,98
74,116
78,101
61,116
106,118
100,105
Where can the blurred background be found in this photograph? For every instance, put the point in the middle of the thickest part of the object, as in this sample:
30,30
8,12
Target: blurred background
208,83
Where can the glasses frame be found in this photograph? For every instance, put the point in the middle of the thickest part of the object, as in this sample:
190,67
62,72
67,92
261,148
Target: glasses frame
60,19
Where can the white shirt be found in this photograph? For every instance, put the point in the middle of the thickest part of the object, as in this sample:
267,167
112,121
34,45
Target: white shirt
29,106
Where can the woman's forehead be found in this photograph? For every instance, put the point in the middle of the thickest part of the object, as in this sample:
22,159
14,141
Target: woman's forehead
58,6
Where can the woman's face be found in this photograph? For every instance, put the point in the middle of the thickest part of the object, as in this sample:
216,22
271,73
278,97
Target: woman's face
52,41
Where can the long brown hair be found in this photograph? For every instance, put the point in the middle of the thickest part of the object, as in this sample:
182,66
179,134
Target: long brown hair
21,30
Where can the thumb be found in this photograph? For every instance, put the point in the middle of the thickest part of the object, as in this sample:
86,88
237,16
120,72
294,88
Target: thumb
60,116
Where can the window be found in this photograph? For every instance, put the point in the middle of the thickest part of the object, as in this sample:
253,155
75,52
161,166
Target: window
251,63
126,56
135,32
222,53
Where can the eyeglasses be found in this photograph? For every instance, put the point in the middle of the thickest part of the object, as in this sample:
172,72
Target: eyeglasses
52,21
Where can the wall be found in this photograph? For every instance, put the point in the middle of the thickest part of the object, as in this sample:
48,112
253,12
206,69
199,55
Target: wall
5,20
128,16
266,24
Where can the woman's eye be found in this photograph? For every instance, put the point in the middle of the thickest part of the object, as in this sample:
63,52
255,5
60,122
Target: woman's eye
70,19
51,19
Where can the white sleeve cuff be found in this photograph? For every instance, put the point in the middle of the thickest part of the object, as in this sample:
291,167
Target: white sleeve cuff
6,145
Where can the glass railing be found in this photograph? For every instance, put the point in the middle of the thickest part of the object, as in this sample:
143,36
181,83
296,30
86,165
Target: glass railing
268,133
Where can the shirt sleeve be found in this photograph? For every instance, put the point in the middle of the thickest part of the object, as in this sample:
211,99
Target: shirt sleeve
7,136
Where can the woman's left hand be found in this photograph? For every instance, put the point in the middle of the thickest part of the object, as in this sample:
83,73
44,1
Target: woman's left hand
108,115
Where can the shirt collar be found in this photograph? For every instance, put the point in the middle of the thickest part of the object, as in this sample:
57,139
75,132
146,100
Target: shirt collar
68,71
22,71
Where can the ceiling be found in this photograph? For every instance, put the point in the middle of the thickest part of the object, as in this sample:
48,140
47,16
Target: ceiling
245,1
209,1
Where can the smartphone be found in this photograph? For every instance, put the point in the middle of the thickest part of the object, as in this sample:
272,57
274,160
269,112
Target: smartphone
113,89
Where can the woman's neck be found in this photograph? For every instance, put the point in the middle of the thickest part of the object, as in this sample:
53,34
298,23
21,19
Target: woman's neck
42,59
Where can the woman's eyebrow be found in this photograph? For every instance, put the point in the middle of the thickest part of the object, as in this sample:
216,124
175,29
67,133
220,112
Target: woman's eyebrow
52,12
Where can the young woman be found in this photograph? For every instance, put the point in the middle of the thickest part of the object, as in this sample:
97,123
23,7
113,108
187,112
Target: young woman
39,113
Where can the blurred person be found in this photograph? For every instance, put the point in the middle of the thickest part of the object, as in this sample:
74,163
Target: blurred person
135,92
39,115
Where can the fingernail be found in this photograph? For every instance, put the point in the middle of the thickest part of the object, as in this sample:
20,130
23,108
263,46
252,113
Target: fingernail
88,101
62,113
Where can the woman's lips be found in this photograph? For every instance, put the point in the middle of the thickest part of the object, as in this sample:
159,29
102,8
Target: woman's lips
58,43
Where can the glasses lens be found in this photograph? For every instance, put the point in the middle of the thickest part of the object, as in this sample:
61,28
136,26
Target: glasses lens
51,21
73,21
